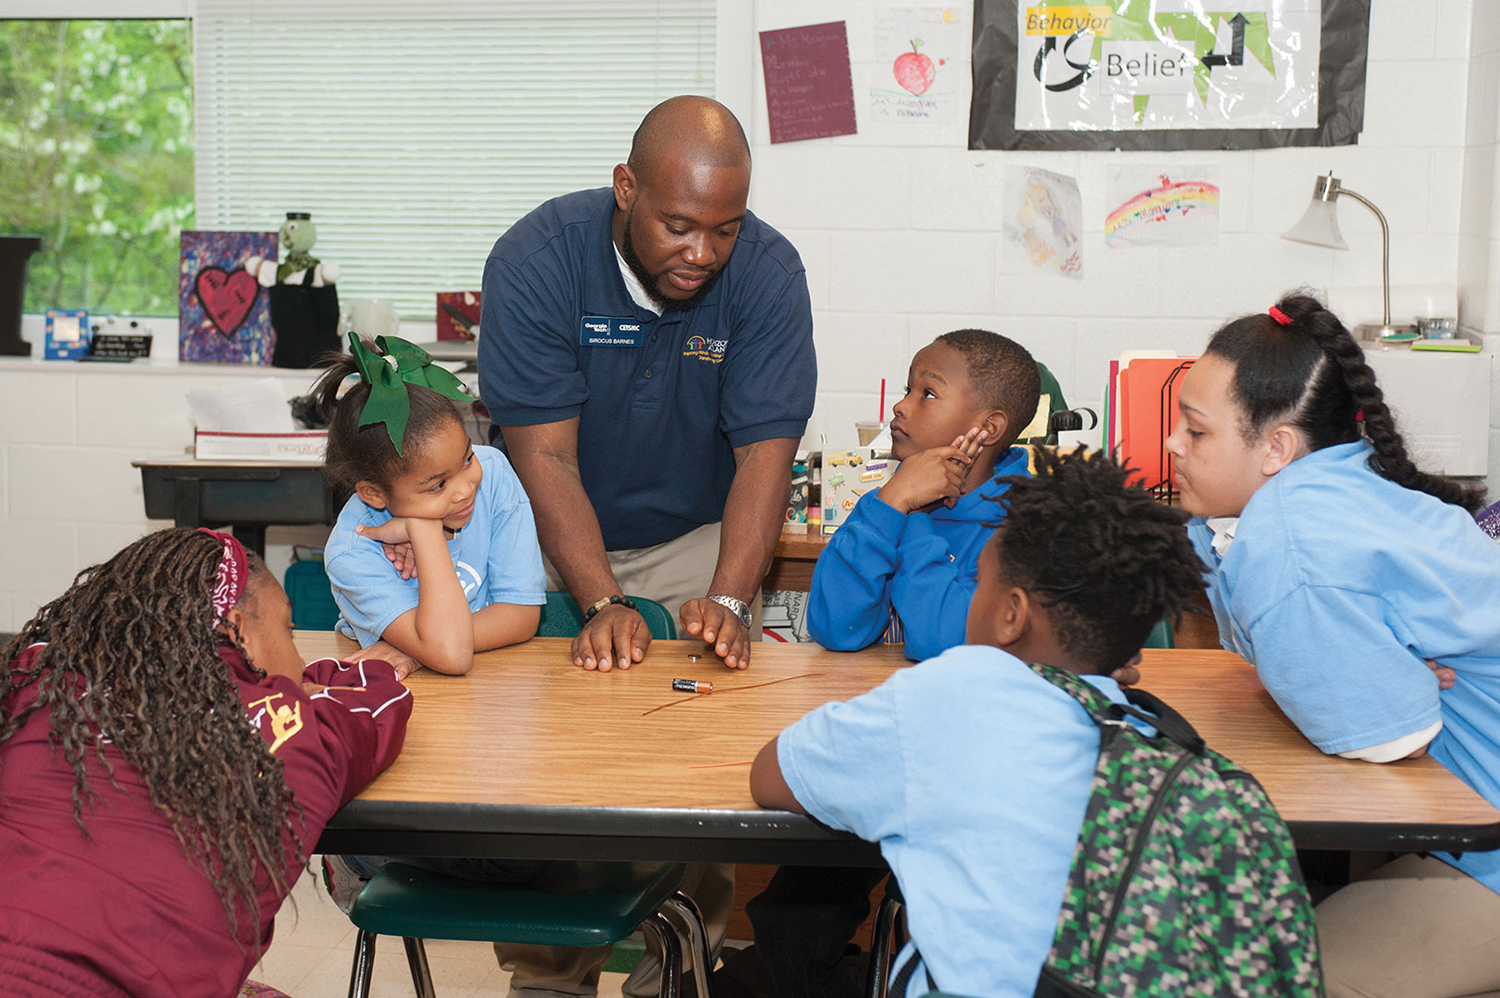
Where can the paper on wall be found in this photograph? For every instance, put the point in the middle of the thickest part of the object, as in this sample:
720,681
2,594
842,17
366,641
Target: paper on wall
1161,206
1043,222
920,62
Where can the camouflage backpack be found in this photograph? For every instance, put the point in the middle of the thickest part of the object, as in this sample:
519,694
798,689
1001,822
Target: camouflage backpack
1184,881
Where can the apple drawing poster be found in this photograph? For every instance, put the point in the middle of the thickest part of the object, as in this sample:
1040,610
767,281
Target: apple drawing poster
223,315
920,69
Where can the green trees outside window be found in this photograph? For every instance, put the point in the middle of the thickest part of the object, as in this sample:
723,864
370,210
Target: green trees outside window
96,157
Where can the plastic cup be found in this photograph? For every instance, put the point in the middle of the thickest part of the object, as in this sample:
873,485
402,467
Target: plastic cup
868,430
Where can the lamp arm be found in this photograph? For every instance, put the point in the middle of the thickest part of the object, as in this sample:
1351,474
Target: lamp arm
1385,250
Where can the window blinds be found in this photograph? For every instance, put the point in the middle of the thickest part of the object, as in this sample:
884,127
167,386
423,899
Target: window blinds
416,133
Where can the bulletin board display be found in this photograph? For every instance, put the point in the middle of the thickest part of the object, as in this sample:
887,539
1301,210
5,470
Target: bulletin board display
1168,74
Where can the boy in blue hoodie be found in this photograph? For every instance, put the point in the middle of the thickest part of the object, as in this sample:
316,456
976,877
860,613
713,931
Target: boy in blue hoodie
902,567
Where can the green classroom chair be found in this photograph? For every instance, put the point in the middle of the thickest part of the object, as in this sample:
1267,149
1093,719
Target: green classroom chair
562,618
595,904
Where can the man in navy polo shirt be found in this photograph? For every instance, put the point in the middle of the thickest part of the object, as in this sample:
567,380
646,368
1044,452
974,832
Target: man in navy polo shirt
646,355
647,359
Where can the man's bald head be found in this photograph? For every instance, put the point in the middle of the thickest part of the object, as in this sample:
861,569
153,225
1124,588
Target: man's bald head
689,129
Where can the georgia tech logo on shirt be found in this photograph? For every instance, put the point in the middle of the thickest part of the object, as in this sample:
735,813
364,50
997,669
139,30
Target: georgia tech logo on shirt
704,349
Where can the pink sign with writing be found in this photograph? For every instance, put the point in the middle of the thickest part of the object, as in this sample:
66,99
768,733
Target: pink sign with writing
809,92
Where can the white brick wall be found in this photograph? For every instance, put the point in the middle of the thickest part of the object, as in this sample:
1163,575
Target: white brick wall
68,495
901,229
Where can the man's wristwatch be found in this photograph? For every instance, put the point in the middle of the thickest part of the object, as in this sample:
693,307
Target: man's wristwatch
740,607
592,611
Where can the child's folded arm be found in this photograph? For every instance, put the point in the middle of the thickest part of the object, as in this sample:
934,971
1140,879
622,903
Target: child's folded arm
849,606
361,717
931,592
502,624
1359,687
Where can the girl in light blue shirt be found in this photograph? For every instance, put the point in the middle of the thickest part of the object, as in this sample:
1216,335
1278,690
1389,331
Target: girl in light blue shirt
453,516
1346,575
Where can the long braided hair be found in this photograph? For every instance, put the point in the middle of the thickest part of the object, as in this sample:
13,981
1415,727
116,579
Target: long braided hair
132,659
1309,372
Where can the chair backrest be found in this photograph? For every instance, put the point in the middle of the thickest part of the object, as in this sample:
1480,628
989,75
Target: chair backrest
1160,636
562,617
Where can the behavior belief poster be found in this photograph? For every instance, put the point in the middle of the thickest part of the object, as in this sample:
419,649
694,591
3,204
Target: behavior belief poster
1167,73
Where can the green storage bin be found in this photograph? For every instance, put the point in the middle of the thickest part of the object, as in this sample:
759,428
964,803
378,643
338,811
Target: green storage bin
313,608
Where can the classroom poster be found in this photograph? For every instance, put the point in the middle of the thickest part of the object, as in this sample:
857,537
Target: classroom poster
1161,206
809,85
223,314
919,53
1043,222
1165,74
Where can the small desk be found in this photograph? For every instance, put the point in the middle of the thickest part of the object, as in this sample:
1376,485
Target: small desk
530,756
247,495
797,551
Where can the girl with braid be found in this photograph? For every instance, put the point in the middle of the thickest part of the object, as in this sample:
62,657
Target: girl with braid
1346,575
166,765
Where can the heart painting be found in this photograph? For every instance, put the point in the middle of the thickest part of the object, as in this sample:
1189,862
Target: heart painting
222,314
226,297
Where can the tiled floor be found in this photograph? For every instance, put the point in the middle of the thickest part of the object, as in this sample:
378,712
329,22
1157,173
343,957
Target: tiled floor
313,952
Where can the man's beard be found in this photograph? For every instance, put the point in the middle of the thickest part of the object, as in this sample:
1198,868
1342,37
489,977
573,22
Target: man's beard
651,282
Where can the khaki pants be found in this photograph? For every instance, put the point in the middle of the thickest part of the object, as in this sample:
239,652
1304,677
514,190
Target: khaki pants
1414,928
671,574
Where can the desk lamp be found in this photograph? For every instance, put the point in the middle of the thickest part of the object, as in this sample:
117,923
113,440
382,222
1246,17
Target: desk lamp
1319,226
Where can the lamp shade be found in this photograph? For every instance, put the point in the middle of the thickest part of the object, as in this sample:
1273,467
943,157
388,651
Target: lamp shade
1319,226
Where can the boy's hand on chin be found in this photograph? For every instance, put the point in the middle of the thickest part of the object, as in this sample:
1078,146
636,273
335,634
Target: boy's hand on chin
932,476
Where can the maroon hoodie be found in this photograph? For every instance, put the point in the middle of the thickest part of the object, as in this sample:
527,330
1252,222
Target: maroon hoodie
120,910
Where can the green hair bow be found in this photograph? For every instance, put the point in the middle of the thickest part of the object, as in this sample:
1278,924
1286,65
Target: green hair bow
388,372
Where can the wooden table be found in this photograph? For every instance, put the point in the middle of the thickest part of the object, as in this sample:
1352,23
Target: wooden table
530,756
797,551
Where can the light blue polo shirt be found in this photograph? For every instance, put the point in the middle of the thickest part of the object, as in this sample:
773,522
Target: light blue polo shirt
662,400
972,773
1338,585
495,555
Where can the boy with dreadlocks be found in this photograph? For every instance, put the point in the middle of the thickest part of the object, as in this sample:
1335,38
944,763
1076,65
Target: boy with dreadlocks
971,771
166,764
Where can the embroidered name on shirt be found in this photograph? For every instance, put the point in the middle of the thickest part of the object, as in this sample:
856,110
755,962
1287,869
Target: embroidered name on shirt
607,331
699,348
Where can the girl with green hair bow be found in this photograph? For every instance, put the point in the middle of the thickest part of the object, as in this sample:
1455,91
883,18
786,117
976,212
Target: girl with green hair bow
451,513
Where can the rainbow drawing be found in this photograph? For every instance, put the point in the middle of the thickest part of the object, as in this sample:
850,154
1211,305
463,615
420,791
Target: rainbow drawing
1172,201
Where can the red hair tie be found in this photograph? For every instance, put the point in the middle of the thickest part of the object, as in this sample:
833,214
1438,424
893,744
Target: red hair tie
1359,416
1279,316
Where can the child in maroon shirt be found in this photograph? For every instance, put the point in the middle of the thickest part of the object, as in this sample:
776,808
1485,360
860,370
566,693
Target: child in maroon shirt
166,764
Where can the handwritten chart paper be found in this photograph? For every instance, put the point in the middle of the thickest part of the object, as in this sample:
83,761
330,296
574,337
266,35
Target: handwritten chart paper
1161,206
809,90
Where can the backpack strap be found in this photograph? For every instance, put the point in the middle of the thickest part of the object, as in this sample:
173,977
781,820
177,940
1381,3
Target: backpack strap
1142,705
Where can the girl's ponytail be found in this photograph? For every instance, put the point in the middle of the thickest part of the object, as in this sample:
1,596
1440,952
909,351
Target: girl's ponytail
1298,363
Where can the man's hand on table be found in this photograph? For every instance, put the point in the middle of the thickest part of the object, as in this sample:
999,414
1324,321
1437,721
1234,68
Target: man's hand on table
617,635
719,627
